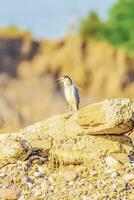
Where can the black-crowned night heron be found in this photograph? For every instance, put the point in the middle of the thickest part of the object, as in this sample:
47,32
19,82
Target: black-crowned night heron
71,92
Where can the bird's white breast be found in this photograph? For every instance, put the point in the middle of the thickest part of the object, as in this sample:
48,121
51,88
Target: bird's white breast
69,92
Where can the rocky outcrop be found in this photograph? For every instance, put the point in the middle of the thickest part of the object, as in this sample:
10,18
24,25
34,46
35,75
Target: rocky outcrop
79,137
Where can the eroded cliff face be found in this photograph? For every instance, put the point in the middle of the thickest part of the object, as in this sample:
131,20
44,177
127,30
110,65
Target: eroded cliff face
95,66
13,51
28,70
98,68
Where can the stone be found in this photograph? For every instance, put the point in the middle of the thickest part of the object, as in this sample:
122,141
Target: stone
114,186
112,116
2,174
114,174
38,192
9,193
30,185
44,187
128,177
70,176
93,172
109,171
37,174
71,183
21,197
24,179
112,162
43,169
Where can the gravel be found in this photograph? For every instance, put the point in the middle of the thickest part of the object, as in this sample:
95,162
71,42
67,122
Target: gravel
78,182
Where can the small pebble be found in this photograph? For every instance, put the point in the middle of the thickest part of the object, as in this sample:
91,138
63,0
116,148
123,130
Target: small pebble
70,176
21,197
114,186
37,174
30,180
109,171
128,177
30,185
70,183
2,174
93,172
44,186
43,169
37,192
112,162
114,174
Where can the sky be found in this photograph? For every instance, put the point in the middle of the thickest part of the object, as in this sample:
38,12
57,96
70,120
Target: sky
49,18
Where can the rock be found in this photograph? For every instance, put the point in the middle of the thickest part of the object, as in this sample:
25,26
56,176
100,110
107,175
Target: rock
109,171
30,180
51,179
21,197
70,176
114,174
43,169
44,186
84,197
112,116
85,149
30,185
37,174
37,192
128,177
93,172
2,174
114,186
8,193
71,183
24,179
111,162
91,187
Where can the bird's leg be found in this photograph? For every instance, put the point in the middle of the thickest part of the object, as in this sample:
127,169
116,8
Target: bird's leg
75,108
69,107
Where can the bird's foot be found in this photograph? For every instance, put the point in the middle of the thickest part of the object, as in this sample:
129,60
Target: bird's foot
68,115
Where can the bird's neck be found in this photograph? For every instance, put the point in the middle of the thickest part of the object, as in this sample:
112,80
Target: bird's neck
67,84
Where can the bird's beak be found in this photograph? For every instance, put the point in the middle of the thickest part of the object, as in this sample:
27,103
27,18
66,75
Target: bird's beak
60,80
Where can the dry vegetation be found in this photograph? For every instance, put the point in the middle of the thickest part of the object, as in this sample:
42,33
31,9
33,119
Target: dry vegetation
13,32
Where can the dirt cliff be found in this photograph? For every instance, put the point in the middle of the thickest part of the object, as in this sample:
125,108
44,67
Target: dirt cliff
99,69
15,50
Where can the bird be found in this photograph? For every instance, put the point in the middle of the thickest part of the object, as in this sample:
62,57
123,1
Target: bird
71,92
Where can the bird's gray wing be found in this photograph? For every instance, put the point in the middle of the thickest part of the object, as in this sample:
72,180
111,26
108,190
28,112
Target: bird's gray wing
76,94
